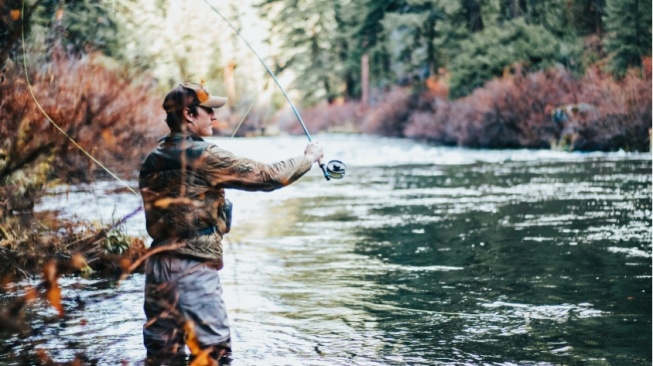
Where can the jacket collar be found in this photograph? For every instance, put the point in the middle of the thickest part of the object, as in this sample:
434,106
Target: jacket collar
176,135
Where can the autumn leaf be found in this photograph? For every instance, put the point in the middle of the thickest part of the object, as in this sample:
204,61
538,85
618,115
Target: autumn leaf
78,261
125,264
203,359
107,136
43,357
53,292
165,202
191,339
200,357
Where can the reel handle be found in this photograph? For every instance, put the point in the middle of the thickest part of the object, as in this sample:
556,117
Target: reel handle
324,170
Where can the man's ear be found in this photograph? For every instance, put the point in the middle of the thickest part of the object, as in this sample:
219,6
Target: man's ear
187,116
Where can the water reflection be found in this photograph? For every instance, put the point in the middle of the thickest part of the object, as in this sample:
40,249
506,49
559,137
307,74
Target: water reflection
421,255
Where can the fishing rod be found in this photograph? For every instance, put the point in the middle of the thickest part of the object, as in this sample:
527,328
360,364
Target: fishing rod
333,169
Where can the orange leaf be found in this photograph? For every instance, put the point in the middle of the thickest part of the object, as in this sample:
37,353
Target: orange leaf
165,202
53,294
15,14
125,264
78,261
43,356
191,339
108,137
203,359
200,357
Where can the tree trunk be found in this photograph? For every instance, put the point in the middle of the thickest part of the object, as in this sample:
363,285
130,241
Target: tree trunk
473,15
230,81
365,79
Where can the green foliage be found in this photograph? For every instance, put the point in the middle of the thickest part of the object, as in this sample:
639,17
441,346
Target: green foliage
92,25
412,37
587,16
313,43
628,25
79,27
116,241
491,53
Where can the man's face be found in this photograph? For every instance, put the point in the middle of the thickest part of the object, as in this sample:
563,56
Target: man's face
201,124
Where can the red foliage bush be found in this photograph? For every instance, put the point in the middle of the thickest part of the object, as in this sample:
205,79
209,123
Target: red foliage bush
550,108
109,116
516,111
624,119
390,116
337,117
433,124
511,112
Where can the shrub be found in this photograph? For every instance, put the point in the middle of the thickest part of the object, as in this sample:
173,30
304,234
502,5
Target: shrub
517,111
110,117
433,125
390,116
625,108
335,117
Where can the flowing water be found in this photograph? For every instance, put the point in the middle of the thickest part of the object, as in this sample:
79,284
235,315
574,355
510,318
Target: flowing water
421,255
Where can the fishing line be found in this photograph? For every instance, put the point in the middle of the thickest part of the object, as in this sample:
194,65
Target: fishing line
328,174
307,217
29,86
244,116
336,168
31,90
308,135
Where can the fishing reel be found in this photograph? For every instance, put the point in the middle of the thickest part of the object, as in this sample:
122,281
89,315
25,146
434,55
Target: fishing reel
334,169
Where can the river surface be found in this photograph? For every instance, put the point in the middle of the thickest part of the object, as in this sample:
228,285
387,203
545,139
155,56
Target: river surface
421,255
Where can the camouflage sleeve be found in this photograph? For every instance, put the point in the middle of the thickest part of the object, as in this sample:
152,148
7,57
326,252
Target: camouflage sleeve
226,170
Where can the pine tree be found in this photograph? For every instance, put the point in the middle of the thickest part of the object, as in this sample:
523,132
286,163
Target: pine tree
587,16
311,43
628,39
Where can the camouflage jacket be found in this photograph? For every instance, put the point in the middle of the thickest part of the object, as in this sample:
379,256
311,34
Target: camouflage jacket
183,181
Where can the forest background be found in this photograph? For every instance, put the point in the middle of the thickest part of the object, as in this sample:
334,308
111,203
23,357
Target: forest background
82,83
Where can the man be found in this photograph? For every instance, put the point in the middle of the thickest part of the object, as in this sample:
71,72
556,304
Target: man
183,184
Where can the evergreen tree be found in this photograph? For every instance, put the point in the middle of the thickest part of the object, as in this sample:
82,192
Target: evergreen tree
628,39
490,53
587,16
80,26
412,34
371,36
76,26
473,17
311,43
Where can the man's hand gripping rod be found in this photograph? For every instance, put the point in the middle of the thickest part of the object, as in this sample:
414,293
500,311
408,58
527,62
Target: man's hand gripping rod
334,169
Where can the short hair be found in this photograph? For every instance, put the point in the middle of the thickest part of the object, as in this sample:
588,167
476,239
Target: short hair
174,104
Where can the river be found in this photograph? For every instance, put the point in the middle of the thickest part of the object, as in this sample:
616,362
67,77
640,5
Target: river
421,255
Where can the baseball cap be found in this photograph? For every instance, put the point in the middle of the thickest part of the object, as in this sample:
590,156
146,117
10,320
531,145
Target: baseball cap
187,94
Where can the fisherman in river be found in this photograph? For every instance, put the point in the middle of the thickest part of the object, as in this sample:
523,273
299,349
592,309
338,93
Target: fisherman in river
182,183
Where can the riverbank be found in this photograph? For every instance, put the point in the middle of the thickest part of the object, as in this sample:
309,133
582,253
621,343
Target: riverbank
545,109
29,244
